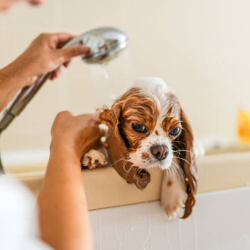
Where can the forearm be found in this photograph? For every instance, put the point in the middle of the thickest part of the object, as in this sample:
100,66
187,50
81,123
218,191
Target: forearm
62,203
12,79
41,57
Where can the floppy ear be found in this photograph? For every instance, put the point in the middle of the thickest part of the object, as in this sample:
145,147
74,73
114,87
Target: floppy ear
118,150
187,161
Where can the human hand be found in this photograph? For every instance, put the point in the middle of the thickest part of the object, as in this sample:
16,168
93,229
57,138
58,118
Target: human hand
7,4
44,55
75,134
63,188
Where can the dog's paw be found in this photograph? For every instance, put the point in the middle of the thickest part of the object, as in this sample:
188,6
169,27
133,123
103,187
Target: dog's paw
174,202
94,159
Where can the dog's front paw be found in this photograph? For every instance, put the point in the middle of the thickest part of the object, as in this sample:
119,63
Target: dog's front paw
174,202
94,159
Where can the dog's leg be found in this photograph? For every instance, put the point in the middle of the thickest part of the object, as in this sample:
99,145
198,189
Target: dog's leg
173,194
94,159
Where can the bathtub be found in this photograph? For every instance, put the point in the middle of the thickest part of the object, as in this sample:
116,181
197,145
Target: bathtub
125,218
220,221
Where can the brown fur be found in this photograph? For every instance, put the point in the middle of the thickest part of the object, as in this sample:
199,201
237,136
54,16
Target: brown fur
172,119
145,155
131,107
184,142
135,107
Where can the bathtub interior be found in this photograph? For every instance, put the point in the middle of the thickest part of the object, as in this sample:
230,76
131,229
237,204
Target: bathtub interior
28,161
220,221
124,217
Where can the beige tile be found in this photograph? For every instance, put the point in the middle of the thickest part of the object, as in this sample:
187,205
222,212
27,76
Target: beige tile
80,16
12,44
200,53
23,18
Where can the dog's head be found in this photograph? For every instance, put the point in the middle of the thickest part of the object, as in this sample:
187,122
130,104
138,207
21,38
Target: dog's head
148,128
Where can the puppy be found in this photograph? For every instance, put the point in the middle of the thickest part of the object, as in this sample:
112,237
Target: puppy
147,128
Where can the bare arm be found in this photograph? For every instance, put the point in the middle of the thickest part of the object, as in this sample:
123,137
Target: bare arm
10,84
62,203
63,208
42,56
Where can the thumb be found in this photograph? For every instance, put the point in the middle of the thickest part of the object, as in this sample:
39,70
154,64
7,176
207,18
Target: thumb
74,51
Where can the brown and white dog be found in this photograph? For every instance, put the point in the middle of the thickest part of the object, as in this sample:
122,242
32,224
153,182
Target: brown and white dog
147,128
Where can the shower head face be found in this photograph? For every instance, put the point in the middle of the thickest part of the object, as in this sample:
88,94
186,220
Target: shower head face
104,43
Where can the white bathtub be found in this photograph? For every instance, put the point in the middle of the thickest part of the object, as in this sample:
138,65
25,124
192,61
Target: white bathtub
220,221
125,218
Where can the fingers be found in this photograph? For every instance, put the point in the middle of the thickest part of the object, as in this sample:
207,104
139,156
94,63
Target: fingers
49,54
66,64
89,119
74,51
62,38
55,74
80,133
55,40
35,2
60,118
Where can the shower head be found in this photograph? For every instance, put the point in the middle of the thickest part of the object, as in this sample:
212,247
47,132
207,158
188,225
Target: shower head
104,43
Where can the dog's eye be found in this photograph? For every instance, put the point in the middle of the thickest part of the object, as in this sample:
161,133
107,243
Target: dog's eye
174,132
139,128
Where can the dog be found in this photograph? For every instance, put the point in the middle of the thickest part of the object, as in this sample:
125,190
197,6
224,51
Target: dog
148,128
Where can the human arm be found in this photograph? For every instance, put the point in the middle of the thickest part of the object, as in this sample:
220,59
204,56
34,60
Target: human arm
42,56
62,202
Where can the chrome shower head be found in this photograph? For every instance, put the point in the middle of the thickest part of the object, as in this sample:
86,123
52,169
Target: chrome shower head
104,43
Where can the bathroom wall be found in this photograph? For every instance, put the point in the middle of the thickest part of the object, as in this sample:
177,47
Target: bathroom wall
201,48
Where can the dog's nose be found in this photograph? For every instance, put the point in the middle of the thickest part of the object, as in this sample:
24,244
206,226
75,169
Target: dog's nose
160,152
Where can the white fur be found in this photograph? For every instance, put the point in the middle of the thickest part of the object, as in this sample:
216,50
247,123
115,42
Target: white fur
156,86
146,144
156,89
90,158
174,196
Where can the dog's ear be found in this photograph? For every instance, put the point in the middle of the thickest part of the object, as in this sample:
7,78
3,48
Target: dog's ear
184,145
110,117
118,150
116,146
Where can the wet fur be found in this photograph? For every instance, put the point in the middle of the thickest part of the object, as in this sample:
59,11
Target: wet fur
128,151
